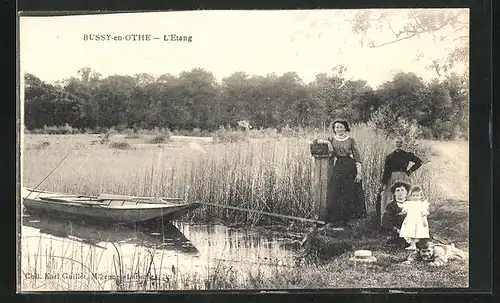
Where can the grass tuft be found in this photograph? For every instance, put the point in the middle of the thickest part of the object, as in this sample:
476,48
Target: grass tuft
120,145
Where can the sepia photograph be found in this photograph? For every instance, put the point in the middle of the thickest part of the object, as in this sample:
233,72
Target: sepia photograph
244,150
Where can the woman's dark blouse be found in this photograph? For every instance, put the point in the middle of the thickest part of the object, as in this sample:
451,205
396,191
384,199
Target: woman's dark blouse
345,148
392,216
398,161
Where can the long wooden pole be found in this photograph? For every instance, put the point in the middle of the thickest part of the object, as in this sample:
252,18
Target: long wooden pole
262,212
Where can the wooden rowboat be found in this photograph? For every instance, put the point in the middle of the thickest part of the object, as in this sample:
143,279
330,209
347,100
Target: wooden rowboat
105,208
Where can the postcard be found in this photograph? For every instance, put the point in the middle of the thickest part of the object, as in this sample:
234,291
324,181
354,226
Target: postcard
230,150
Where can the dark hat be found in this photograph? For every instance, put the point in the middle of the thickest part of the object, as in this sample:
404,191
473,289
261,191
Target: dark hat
343,122
399,184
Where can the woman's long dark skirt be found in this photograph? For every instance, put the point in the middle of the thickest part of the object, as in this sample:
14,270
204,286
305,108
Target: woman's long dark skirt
346,199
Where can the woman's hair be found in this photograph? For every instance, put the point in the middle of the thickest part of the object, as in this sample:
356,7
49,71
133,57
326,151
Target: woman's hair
400,184
343,122
417,189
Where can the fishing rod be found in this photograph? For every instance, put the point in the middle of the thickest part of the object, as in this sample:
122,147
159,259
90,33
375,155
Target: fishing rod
78,170
53,170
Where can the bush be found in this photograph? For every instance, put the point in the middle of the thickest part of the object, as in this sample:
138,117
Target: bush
195,132
443,130
121,127
95,130
159,139
460,134
120,145
411,132
155,132
427,132
131,134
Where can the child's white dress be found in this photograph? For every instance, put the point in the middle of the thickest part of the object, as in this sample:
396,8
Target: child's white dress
415,224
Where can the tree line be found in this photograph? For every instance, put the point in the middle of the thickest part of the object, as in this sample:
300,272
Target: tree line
194,99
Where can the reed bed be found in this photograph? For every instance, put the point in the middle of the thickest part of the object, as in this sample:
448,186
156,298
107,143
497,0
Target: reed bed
59,264
272,174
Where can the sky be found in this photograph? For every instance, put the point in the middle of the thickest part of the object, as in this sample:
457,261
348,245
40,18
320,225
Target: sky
223,42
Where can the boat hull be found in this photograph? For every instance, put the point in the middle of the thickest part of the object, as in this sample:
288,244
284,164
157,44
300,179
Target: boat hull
89,209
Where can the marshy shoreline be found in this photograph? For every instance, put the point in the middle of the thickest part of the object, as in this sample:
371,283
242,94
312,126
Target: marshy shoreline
259,171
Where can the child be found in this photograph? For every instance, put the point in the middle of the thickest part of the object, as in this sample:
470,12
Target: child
435,254
415,225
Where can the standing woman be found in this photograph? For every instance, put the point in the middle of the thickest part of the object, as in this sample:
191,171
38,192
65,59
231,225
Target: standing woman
396,169
346,200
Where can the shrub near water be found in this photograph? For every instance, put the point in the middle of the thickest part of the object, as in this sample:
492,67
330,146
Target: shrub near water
273,175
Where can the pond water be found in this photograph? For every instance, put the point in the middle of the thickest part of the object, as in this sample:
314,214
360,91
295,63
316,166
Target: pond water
59,254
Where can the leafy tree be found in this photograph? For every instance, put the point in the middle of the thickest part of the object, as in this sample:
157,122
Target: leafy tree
143,106
37,106
236,98
195,100
48,105
199,91
172,110
447,25
143,79
404,95
328,92
113,95
367,103
83,88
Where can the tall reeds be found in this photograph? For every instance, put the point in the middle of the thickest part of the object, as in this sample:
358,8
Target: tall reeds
272,174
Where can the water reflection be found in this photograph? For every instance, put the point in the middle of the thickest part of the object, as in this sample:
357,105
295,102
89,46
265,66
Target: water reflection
189,252
153,234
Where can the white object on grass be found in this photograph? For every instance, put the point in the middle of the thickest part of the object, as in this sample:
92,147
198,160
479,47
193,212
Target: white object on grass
363,256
